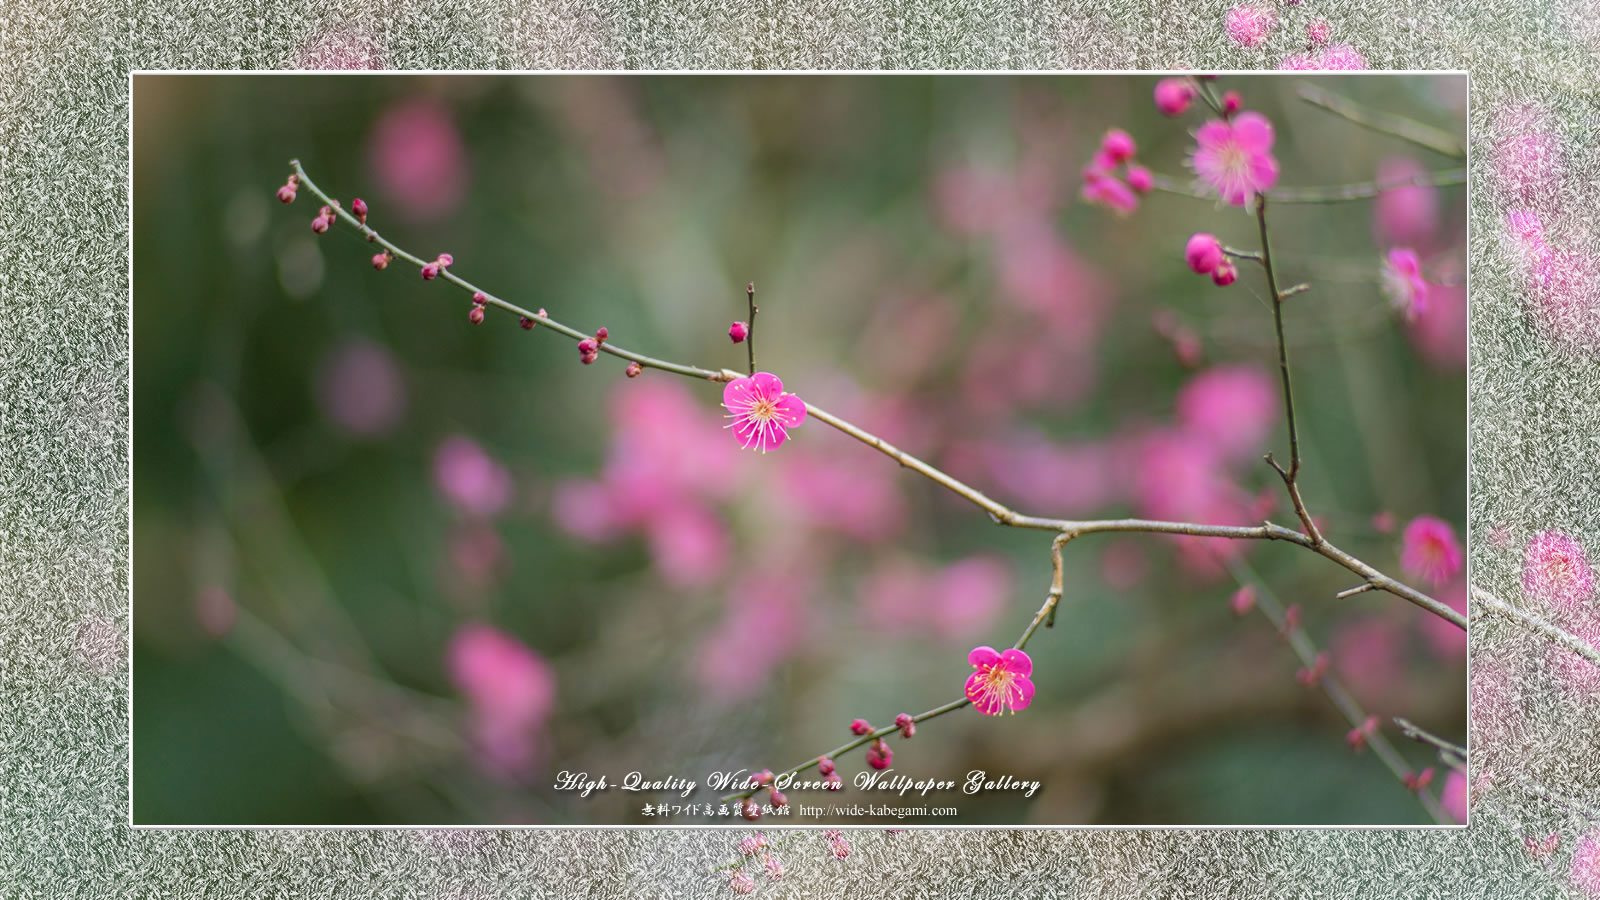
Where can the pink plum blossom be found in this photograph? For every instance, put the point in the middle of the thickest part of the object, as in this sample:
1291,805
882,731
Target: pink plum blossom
1409,214
1235,157
1404,284
510,688
1248,25
470,478
1107,190
1231,407
1556,571
1001,682
1453,796
762,413
1448,642
419,160
1440,331
360,389
1585,870
1429,550
1181,477
1173,96
1576,673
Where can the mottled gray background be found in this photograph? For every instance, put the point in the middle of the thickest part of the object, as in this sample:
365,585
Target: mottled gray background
64,370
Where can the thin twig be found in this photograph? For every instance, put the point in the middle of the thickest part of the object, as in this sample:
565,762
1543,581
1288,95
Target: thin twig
1435,139
750,336
1534,623
1452,755
1339,193
1347,593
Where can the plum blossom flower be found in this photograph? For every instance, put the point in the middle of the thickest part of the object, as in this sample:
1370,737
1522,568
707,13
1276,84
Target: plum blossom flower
1408,214
1429,550
1586,864
1230,407
1248,26
762,413
511,691
1555,570
1001,681
1404,284
1235,158
471,478
1453,797
1173,96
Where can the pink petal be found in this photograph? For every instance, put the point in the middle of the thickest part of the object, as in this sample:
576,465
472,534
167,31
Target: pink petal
1018,662
767,385
740,394
1023,695
983,657
1253,132
1263,172
748,432
790,411
1213,134
985,703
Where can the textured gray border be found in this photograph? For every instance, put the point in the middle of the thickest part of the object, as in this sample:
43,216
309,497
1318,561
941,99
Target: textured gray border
64,481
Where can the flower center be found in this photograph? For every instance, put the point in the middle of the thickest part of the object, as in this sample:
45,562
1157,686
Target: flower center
1234,159
764,410
998,685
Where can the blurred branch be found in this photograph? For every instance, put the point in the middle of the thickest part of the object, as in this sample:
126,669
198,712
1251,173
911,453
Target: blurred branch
1537,625
1406,129
1341,697
1451,755
1361,190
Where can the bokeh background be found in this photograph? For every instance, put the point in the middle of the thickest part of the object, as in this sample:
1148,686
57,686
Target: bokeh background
394,568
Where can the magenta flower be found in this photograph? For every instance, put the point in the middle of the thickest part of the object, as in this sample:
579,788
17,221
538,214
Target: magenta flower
1429,550
1586,864
762,413
1235,158
1231,407
1173,96
1001,681
472,479
1248,26
1555,570
1343,58
741,882
1407,214
1203,253
1404,284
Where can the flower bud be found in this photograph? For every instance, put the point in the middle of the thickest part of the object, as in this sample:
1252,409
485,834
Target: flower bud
860,726
320,224
430,271
1203,253
526,323
479,298
381,261
476,315
587,358
1139,179
1173,96
778,798
906,724
738,331
824,765
1117,145
832,781
588,345
445,260
741,882
286,193
359,207
762,778
1224,274
879,756
750,809
1231,102
633,369
774,867
601,334
1317,33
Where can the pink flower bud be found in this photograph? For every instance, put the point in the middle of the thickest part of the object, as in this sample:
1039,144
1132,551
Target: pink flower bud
588,345
750,845
832,781
778,798
738,331
1224,274
879,756
1243,600
1118,145
587,358
774,868
1291,618
634,369
445,260
601,334
430,271
1317,33
326,212
741,882
825,765
294,180
1139,179
320,224
1173,96
476,315
1203,253
762,778
839,846
860,726
1231,101
381,261
479,298
906,724
359,207
543,314
286,193
1357,739
526,323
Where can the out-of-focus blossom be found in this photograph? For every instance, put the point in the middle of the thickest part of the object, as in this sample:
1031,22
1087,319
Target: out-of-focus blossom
1585,869
1235,157
470,478
969,593
1072,478
1231,407
1299,62
1453,797
1403,283
1183,478
1498,719
1248,24
1429,550
1406,215
511,691
741,882
1440,331
477,553
763,627
1001,681
1173,96
1526,160
1576,673
1203,253
215,610
1447,641
761,411
1556,571
419,160
1369,655
689,545
849,491
360,388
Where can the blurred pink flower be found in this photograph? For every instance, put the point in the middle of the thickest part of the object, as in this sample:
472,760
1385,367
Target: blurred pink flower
689,545
1453,796
852,493
1001,681
360,389
1403,283
894,594
761,411
1173,96
1369,655
1231,407
1440,331
1447,641
1248,25
968,594
1429,550
1023,465
763,627
1182,478
470,478
972,200
477,553
1576,673
1404,215
511,691
1106,189
1556,571
351,49
1123,564
419,160
1235,157
665,443
583,509
215,610
1342,57
1585,870
1526,160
